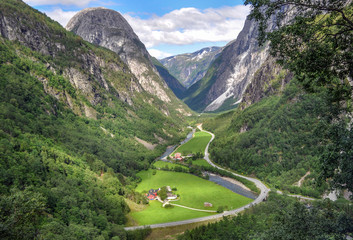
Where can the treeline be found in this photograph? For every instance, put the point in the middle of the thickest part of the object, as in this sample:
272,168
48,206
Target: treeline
282,217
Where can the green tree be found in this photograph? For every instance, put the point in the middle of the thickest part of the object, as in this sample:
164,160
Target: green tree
163,193
20,214
313,39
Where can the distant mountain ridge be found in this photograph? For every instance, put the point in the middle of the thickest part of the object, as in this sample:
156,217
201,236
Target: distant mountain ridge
228,76
189,68
173,83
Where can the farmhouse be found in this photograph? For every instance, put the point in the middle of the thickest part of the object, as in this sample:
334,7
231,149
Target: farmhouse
152,194
177,156
207,204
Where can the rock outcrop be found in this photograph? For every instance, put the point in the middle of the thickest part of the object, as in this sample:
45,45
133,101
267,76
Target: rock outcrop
230,74
109,29
270,79
88,72
172,82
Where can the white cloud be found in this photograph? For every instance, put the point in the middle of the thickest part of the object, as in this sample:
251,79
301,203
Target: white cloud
190,25
159,54
63,17
79,3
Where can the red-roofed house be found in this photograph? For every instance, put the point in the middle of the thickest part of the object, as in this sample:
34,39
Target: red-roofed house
178,156
152,194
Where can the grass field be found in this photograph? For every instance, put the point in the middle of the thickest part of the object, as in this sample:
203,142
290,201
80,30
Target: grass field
155,213
194,191
200,162
197,144
162,164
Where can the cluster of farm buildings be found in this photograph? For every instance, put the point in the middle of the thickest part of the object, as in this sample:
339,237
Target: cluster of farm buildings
153,194
179,157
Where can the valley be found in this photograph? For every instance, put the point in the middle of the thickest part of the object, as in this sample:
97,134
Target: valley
93,125
192,191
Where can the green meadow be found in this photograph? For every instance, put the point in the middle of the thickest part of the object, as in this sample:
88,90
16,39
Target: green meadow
162,164
200,162
155,213
197,144
194,191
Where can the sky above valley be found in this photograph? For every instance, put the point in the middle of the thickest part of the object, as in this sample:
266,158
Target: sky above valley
166,27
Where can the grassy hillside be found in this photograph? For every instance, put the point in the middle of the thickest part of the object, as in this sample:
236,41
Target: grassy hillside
196,145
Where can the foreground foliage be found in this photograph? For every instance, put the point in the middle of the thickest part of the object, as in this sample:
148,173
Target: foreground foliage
282,217
314,40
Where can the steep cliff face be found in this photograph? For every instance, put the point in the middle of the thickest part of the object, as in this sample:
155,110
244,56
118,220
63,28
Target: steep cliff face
172,82
270,79
88,70
229,75
91,81
109,29
189,68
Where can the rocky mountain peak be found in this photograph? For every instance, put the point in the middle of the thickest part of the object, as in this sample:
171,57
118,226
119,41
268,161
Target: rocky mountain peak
109,29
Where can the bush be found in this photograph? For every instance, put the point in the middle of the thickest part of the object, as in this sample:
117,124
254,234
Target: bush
220,209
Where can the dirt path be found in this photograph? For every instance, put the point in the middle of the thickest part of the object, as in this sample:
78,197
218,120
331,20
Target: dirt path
300,182
195,209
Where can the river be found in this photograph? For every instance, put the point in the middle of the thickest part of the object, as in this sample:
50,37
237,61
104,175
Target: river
232,186
213,178
171,149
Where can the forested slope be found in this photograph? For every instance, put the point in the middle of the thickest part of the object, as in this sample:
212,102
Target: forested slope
306,127
281,218
277,139
69,115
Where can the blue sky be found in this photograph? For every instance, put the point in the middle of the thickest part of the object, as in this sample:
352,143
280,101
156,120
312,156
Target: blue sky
166,27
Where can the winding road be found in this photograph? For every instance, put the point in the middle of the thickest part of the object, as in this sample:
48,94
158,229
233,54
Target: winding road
263,195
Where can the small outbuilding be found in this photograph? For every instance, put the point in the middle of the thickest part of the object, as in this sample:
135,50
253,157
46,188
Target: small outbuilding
171,196
207,204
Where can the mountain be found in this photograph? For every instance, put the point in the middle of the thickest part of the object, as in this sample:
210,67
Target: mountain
189,68
229,75
270,79
74,122
172,82
109,29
